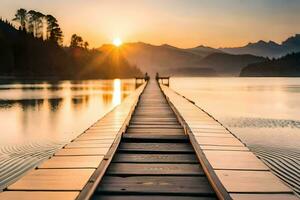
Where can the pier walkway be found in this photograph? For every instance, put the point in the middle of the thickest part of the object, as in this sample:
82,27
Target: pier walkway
155,159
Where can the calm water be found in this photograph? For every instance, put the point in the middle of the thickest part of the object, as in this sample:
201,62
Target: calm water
38,118
263,112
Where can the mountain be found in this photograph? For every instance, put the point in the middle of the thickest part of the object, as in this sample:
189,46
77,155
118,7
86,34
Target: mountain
169,60
268,49
203,50
288,65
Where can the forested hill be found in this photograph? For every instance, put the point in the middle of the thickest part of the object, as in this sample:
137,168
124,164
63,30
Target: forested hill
288,65
25,55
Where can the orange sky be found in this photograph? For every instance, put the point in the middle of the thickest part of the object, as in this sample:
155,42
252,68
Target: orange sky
182,23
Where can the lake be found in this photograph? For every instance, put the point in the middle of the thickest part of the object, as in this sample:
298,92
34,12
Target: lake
263,112
38,118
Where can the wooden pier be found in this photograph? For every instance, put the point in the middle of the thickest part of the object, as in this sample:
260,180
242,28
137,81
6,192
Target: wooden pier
155,145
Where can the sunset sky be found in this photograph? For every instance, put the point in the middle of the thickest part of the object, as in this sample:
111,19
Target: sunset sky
182,23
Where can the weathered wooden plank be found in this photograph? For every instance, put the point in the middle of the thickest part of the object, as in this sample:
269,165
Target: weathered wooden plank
208,126
156,138
157,147
87,145
156,185
228,135
224,148
153,123
154,169
99,141
151,119
198,130
65,162
149,197
155,158
160,126
156,131
263,197
219,141
239,160
95,137
36,195
82,152
53,179
251,181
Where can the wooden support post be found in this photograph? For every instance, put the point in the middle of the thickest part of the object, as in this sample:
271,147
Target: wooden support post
165,80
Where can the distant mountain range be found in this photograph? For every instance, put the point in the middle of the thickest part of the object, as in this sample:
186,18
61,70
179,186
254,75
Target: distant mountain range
169,60
268,49
288,65
203,60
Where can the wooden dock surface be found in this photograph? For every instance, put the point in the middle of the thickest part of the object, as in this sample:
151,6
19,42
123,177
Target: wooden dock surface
155,145
155,159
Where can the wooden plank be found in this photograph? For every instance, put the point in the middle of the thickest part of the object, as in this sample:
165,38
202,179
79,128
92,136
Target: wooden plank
64,162
157,147
36,195
199,130
154,169
94,137
155,158
207,126
82,152
149,197
219,141
228,135
53,179
156,185
160,126
151,119
224,148
101,129
158,130
99,141
102,134
239,160
87,145
263,197
158,138
251,181
153,123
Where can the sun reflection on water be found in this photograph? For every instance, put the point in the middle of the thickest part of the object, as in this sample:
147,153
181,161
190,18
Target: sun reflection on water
117,92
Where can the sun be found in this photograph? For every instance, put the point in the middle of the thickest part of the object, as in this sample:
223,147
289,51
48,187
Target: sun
117,42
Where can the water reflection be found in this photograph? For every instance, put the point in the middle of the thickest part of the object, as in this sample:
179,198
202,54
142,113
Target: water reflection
61,107
117,92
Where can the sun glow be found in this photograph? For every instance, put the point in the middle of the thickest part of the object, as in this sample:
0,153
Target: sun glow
117,42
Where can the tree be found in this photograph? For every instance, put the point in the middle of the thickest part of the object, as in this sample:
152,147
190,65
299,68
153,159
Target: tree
54,33
21,17
76,41
36,23
86,45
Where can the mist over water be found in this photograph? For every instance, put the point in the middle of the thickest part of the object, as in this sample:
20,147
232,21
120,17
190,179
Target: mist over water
263,112
39,118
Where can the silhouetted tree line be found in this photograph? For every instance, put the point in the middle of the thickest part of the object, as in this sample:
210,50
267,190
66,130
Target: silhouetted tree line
36,23
35,51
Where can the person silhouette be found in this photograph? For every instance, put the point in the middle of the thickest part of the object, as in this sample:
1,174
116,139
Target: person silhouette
146,77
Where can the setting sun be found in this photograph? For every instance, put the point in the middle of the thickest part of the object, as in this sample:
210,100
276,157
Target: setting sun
117,42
